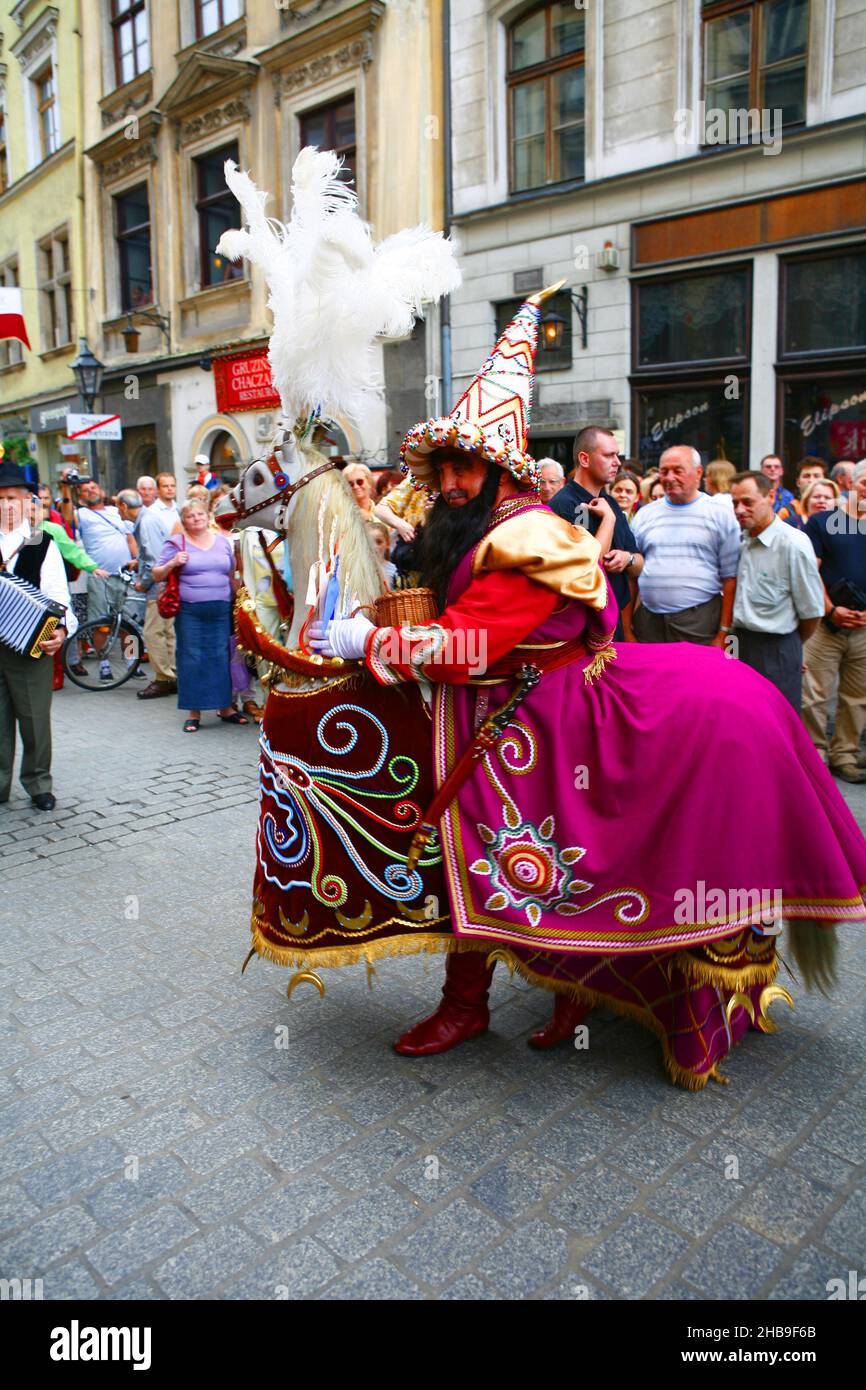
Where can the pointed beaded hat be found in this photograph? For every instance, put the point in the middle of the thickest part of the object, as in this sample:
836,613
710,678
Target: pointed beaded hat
491,418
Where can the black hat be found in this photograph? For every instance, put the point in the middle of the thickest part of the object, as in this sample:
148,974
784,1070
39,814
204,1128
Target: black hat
13,476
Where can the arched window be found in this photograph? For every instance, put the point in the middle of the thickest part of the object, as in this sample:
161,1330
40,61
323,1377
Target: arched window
225,458
546,105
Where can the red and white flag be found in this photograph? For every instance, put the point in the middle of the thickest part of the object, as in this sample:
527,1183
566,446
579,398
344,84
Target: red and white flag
12,316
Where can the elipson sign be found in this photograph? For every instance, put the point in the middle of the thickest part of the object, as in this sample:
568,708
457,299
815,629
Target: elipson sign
243,382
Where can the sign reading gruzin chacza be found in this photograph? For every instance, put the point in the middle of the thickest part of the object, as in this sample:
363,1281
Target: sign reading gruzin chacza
243,382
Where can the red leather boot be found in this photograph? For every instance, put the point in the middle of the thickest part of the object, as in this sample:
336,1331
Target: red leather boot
567,1014
463,1013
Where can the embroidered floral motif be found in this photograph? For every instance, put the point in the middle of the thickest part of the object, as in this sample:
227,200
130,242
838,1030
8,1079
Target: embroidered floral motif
528,871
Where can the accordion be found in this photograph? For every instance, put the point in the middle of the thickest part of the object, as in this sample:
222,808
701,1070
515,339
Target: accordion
27,616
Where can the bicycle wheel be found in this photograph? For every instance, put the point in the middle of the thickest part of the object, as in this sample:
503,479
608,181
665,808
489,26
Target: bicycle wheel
109,651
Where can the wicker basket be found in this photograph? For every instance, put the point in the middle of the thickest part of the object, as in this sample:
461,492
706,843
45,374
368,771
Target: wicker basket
406,606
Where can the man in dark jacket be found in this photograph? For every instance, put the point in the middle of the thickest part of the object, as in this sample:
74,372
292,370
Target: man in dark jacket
596,463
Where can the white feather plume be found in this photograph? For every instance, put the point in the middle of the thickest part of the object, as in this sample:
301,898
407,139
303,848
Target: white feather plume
332,292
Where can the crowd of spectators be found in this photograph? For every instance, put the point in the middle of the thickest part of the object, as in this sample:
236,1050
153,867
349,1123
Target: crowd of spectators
772,574
775,575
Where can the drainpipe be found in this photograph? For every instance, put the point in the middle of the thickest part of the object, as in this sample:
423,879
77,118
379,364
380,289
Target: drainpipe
445,316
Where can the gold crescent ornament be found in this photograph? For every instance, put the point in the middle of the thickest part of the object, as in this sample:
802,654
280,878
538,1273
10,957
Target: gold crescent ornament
767,997
740,1001
354,923
505,956
248,959
306,977
295,928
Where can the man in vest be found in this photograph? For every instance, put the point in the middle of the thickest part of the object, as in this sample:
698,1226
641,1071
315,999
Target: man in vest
26,683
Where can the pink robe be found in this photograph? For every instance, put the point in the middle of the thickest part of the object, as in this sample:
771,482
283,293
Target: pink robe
632,840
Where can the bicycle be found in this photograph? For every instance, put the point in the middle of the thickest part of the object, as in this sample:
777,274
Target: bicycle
109,649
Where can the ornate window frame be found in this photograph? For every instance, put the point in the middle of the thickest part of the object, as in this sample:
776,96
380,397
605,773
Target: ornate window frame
37,47
323,64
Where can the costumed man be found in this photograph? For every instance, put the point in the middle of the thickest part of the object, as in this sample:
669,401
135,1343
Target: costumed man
609,837
27,682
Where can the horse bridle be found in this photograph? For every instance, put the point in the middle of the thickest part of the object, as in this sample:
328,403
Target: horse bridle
285,493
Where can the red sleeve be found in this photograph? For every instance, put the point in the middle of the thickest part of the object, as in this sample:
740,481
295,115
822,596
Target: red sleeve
495,612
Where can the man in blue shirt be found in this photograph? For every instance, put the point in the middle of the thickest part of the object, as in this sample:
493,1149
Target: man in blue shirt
837,651
773,468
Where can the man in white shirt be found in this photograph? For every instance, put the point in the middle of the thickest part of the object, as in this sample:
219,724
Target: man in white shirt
690,547
157,524
780,597
146,489
26,682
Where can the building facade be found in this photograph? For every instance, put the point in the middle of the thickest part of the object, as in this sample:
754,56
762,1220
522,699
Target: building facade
175,87
41,222
695,172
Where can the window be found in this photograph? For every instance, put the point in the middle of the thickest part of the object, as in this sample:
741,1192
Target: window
4,155
11,350
823,303
131,41
211,15
693,318
55,290
333,128
700,414
46,108
555,310
822,327
225,458
755,59
217,210
546,97
132,220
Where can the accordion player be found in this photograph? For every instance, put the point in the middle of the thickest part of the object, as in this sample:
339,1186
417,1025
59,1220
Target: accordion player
27,616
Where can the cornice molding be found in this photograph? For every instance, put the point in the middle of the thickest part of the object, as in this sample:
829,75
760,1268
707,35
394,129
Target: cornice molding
201,76
349,35
225,43
206,122
37,37
38,172
127,100
122,152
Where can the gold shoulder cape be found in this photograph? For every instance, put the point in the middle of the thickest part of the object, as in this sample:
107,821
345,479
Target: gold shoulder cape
550,551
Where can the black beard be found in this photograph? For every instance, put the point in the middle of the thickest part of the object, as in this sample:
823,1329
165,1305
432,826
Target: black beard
450,531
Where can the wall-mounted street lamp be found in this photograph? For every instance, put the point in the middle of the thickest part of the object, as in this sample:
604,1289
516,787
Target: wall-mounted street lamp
553,325
87,371
131,334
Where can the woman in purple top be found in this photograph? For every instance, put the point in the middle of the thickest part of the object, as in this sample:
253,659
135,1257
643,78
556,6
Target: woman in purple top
205,561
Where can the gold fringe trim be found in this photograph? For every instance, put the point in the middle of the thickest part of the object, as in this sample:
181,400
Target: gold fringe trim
720,977
692,1081
445,944
595,669
430,943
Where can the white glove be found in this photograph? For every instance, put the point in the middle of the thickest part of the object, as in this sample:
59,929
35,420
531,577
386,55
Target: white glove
346,637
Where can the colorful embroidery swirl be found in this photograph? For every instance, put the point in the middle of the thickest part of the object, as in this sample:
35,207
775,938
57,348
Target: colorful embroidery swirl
360,804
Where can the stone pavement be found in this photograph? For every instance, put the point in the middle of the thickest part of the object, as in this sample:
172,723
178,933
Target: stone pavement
172,1130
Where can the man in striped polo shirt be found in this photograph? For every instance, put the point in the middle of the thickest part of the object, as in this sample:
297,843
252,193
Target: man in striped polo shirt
690,547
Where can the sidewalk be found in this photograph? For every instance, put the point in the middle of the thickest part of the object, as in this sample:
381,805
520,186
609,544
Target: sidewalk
171,1129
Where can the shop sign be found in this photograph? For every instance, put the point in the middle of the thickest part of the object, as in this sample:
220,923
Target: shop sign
51,417
243,382
664,427
810,423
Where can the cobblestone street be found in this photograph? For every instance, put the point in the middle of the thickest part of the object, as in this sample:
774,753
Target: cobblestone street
159,1142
